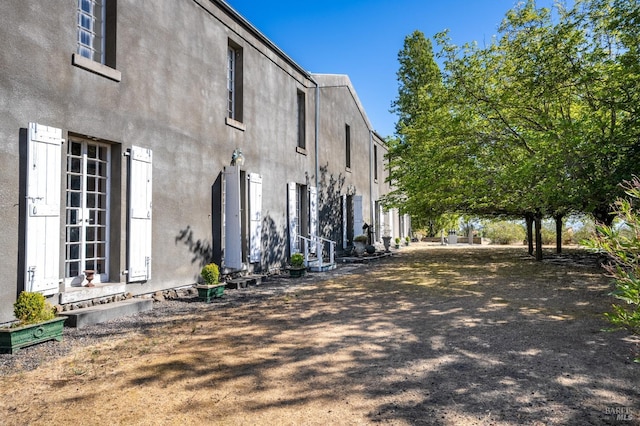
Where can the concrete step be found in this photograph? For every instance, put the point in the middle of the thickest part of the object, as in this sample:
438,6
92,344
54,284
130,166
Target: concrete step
84,317
322,267
245,281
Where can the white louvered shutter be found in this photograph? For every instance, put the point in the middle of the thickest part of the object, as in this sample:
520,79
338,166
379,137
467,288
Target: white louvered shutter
344,221
232,229
313,216
292,198
255,217
140,218
42,243
357,215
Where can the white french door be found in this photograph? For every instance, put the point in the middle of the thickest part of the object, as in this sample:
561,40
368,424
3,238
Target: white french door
87,210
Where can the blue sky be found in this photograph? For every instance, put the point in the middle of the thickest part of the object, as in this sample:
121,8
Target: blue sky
362,38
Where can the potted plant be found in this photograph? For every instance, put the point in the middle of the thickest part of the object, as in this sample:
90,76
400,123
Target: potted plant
296,265
406,240
360,243
212,287
397,242
37,322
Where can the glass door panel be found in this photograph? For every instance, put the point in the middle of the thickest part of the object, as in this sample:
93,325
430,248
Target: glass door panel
87,210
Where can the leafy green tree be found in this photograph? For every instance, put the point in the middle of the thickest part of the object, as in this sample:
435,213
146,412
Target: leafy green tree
542,122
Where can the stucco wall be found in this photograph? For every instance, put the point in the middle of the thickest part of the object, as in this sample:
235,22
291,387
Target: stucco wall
172,99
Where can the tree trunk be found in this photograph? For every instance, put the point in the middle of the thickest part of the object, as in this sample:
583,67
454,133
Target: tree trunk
538,222
603,215
558,233
528,217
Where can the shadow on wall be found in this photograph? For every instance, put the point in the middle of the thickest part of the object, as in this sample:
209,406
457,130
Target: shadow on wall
201,250
274,241
330,204
274,245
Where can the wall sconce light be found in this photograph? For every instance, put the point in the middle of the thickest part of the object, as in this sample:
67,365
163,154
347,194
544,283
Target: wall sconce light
237,158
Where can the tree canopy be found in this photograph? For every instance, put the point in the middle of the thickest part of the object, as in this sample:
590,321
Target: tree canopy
543,121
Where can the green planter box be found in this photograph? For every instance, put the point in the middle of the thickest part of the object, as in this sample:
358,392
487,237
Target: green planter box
208,292
12,339
297,271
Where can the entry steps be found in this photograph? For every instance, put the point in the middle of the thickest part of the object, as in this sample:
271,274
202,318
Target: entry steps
244,281
320,265
84,317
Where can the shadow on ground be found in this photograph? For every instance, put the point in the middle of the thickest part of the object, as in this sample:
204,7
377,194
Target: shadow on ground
428,337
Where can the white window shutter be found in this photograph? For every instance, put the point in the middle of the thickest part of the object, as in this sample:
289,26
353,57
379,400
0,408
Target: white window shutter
357,215
344,221
382,221
292,198
42,242
232,229
255,217
140,218
313,216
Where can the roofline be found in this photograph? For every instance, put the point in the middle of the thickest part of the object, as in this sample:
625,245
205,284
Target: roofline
256,32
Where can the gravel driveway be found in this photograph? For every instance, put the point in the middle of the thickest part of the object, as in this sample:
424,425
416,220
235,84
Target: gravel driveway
435,336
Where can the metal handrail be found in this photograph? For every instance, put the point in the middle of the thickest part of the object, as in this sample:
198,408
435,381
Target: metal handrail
319,242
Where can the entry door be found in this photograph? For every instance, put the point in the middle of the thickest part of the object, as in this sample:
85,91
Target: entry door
87,210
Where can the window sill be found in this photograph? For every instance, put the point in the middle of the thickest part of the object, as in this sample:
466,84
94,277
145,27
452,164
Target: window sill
300,150
235,124
95,67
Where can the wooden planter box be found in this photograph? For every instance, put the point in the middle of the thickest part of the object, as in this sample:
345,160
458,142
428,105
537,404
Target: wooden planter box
208,292
12,339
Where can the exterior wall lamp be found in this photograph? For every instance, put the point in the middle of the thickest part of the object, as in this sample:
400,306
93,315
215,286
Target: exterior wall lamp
237,158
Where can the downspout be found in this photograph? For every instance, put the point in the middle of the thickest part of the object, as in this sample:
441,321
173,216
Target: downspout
317,148
317,138
371,174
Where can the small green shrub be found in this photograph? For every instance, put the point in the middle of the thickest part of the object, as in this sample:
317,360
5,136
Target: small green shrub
360,239
210,274
397,240
297,259
32,308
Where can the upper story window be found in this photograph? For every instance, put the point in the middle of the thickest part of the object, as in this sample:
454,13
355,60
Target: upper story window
347,131
375,162
96,37
231,82
301,100
234,82
91,29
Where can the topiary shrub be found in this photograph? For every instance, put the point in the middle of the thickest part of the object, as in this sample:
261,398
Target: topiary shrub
297,260
210,274
32,308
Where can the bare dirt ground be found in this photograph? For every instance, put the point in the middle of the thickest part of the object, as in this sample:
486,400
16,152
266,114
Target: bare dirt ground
434,336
